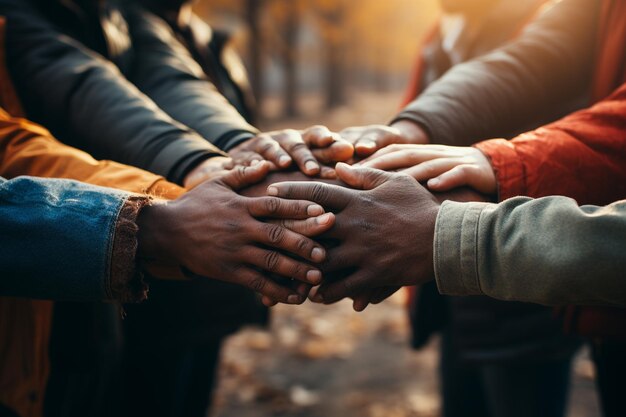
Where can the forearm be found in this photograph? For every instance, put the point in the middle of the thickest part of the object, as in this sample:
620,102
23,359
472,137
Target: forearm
547,251
85,101
167,73
549,63
29,149
64,240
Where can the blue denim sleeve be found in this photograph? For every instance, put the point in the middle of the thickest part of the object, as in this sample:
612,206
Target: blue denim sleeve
56,238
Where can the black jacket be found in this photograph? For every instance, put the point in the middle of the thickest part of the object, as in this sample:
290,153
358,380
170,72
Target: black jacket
72,64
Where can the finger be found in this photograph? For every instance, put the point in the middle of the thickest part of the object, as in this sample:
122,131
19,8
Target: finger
273,207
328,173
268,302
431,169
241,177
351,286
266,287
318,137
360,302
402,147
281,238
339,151
292,142
366,145
456,177
309,227
462,175
361,178
371,142
405,158
271,150
274,262
327,195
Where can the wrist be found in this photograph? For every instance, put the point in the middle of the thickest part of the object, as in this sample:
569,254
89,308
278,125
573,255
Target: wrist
411,131
152,239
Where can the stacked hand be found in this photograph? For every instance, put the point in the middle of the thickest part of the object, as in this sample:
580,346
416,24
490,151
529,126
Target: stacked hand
310,150
214,232
382,228
384,225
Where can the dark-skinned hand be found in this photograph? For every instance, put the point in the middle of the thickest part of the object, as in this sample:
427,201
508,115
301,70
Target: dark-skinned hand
213,232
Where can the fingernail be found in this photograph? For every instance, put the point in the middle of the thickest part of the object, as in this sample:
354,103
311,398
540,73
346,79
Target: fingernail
272,190
293,299
367,144
303,290
317,255
284,160
317,298
314,210
433,182
314,277
254,162
311,166
323,219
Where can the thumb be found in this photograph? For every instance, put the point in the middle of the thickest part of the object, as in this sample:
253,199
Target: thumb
242,177
361,178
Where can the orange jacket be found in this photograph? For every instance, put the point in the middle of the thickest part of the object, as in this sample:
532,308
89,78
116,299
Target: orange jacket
29,149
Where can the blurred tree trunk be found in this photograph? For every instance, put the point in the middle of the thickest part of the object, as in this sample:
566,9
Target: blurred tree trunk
253,18
290,58
335,71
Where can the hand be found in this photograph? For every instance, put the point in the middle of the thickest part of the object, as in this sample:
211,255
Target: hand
385,229
214,232
310,149
373,296
444,167
207,170
369,139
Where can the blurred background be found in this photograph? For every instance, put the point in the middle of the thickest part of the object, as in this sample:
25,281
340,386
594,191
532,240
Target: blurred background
339,63
310,59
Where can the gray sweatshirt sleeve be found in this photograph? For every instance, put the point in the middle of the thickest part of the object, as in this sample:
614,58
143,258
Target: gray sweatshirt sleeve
547,251
513,86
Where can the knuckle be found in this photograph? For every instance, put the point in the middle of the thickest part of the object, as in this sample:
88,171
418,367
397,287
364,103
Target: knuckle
267,146
275,234
271,260
303,246
297,270
272,205
298,146
257,283
319,193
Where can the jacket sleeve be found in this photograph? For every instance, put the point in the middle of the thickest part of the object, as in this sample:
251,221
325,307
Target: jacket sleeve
548,251
549,63
165,71
582,156
29,149
64,240
86,102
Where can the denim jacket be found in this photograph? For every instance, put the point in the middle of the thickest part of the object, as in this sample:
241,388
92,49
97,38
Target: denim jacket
59,239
